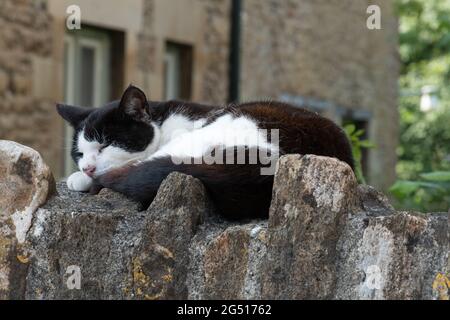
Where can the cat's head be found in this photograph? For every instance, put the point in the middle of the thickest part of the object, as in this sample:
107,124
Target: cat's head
113,135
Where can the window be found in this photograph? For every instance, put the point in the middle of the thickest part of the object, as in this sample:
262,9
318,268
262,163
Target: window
87,66
177,71
88,74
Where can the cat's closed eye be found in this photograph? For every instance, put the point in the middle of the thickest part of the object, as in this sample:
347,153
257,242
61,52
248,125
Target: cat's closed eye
78,154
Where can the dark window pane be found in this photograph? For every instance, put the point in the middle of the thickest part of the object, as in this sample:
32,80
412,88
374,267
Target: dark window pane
87,76
177,71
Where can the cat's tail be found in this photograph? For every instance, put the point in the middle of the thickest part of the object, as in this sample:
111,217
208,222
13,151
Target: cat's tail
238,189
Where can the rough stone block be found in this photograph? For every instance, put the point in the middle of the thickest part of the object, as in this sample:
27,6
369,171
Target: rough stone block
25,184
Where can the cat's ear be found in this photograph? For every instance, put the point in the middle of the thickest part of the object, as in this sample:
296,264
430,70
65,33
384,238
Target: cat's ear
73,115
134,104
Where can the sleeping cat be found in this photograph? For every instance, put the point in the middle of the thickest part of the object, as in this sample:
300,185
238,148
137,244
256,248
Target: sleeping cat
131,146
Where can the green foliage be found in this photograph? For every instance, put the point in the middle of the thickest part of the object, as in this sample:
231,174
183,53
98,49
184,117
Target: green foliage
424,31
430,193
425,55
358,145
424,142
424,136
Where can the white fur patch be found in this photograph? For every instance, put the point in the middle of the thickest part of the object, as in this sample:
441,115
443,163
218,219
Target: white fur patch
89,149
226,131
78,181
176,125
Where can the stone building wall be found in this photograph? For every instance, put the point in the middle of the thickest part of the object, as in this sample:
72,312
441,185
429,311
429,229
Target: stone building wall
317,49
323,50
204,25
25,40
146,54
216,47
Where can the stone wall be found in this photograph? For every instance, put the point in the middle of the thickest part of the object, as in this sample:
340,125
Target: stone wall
216,50
202,24
25,39
318,49
314,49
146,53
326,238
323,50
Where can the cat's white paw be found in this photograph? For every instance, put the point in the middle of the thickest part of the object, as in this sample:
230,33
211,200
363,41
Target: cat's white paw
78,181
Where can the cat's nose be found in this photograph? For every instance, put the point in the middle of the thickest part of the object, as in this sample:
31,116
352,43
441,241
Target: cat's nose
89,170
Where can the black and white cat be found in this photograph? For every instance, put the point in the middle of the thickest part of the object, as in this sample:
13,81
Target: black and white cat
131,145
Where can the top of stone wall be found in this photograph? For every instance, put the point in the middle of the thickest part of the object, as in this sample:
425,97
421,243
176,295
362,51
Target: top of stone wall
326,238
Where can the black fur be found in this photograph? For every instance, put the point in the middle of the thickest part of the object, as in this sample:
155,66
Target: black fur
238,191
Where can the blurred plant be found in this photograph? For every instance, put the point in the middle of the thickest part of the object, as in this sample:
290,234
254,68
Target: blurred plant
358,144
424,136
425,54
430,193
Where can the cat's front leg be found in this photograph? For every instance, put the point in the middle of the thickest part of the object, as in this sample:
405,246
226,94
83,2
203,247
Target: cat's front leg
78,181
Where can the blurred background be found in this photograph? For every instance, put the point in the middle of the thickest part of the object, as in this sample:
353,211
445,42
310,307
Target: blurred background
387,87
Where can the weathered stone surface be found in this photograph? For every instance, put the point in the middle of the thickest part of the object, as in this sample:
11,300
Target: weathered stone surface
25,184
396,256
121,252
96,234
310,201
160,263
326,238
227,261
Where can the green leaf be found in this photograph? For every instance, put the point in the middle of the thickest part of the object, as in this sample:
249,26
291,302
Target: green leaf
402,189
366,144
436,176
349,129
